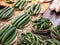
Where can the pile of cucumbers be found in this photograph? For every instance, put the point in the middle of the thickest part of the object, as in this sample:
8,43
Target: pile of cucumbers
20,4
29,38
6,13
41,24
21,20
51,42
33,9
7,34
56,30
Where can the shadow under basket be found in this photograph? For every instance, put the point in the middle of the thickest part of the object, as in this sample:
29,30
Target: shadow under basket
41,31
55,37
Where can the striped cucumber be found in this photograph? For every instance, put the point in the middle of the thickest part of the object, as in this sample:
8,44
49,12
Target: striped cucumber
23,16
22,21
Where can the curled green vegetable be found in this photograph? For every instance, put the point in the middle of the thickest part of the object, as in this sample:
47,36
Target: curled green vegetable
29,38
42,24
56,30
51,42
6,13
7,34
20,4
21,21
34,9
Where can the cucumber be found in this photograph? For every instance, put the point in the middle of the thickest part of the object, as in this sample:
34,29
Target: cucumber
19,3
5,32
23,16
11,38
25,23
22,3
22,21
9,13
15,3
14,20
4,9
3,29
8,34
4,12
37,8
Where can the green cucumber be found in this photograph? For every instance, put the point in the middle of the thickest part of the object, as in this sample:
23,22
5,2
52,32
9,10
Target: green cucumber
14,20
4,9
11,38
9,13
19,3
37,8
25,23
21,22
32,7
3,29
7,34
4,12
22,3
16,3
23,16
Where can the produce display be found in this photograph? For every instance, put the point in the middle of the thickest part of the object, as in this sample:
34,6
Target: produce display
7,34
41,24
29,38
28,25
21,21
9,1
56,31
6,13
20,4
34,9
52,42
